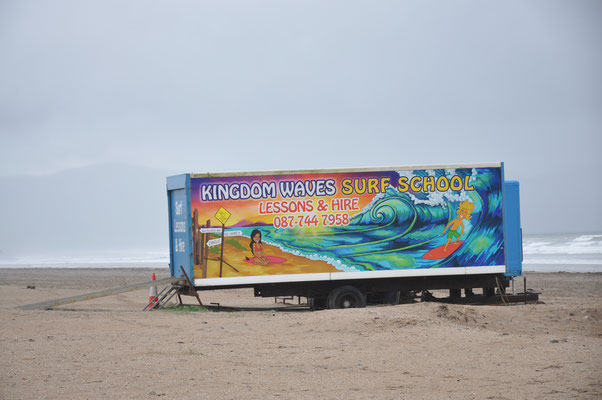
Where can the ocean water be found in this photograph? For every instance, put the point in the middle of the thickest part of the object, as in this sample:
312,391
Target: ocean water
570,252
134,258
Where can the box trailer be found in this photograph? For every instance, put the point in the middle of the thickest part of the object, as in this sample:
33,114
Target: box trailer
340,236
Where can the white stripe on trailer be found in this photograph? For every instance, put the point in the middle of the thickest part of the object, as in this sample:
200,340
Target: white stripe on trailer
337,276
403,273
493,269
331,276
246,280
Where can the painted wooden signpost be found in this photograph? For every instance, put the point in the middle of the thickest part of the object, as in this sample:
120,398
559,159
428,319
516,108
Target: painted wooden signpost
222,216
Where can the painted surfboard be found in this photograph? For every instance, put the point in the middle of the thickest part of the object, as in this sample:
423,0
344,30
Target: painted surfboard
440,252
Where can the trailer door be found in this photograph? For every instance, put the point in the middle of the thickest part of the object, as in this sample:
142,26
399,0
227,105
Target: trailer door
180,231
512,230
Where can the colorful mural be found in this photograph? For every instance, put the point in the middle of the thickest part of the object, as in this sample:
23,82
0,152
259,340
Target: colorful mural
349,221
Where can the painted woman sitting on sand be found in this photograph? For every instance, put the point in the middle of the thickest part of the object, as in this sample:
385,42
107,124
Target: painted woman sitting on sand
257,248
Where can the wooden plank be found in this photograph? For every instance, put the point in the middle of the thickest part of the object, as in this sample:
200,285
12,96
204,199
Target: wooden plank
205,251
191,285
45,305
195,237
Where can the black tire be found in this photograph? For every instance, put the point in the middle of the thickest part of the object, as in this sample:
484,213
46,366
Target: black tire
346,297
316,303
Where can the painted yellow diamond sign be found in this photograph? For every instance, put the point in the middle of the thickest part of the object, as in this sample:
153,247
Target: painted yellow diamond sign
222,215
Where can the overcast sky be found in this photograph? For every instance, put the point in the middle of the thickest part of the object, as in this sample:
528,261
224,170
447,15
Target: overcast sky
197,86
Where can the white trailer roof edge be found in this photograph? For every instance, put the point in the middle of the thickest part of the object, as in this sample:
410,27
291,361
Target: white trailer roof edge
344,170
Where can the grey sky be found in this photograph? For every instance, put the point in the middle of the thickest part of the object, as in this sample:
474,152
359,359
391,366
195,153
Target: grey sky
197,86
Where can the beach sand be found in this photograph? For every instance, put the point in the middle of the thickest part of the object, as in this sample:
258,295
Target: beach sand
108,348
237,248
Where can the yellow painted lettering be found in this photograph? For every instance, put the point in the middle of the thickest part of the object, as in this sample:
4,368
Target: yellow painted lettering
402,184
346,187
428,184
466,184
372,185
384,184
413,183
442,184
359,190
456,183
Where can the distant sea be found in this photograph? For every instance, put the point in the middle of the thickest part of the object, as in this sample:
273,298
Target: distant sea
570,252
137,258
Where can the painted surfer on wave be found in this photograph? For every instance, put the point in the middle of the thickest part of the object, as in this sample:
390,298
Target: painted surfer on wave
256,246
463,212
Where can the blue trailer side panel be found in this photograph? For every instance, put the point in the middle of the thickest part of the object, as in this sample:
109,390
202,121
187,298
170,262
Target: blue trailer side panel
512,229
180,231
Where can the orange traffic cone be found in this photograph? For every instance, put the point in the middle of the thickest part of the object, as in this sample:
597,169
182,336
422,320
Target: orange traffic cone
152,296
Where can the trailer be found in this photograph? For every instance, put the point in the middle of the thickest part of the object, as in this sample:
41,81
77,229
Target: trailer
342,237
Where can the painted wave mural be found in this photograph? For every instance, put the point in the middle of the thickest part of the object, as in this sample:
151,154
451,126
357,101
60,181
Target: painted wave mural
397,230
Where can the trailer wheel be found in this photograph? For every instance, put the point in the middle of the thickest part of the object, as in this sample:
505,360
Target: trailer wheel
346,297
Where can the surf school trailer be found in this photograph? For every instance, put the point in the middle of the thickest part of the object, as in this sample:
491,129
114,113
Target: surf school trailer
341,237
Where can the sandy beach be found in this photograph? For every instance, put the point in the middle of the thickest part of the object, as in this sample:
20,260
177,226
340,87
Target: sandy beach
236,249
108,348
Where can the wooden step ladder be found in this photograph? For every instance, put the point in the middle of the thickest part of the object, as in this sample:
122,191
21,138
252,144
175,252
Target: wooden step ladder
179,288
